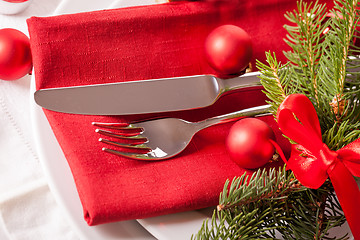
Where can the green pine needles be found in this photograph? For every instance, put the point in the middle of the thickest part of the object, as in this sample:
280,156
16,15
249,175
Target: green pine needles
272,204
323,64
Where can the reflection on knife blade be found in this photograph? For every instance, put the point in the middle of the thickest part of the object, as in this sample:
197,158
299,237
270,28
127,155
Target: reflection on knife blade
146,96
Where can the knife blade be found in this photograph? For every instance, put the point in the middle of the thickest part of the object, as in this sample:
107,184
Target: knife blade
145,96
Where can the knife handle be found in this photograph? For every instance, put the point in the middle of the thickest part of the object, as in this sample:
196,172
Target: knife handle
244,81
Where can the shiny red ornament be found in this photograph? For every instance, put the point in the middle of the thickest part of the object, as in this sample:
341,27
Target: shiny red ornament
15,54
249,143
228,49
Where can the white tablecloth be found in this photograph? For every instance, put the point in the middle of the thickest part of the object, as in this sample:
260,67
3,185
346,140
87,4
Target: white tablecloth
27,208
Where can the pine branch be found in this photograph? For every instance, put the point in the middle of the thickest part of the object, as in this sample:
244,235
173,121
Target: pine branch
339,74
340,82
272,204
340,135
305,40
276,81
321,66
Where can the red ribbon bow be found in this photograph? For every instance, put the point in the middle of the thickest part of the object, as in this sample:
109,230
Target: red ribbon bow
313,162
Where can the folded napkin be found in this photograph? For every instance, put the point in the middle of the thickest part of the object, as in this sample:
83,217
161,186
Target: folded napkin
147,42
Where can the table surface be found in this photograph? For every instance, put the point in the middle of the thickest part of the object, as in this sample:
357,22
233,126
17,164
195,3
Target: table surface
27,207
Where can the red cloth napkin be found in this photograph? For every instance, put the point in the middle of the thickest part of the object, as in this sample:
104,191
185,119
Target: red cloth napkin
148,42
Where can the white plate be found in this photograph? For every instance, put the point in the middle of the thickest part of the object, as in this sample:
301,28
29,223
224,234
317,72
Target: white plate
168,227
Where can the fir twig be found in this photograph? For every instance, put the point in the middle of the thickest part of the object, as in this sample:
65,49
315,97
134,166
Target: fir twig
272,204
275,79
305,39
325,67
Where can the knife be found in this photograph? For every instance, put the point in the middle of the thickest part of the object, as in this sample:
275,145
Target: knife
146,96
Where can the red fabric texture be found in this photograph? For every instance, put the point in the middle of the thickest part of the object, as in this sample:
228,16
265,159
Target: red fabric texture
147,42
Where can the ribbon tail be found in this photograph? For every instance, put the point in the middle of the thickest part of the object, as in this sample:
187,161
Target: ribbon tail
348,194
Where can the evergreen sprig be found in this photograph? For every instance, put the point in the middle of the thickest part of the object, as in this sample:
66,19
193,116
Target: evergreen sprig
276,81
323,64
272,204
305,37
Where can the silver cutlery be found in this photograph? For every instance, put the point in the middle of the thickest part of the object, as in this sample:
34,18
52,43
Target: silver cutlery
162,138
146,96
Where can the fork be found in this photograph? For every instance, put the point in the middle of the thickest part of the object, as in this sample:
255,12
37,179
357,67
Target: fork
162,138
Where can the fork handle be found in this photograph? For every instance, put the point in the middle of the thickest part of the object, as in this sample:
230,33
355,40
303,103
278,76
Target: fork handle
249,112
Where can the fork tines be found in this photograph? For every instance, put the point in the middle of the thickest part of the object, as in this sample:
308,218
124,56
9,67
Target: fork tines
121,127
124,136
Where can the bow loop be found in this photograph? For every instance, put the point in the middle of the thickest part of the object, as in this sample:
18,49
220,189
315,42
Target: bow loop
311,172
313,162
298,120
349,155
302,162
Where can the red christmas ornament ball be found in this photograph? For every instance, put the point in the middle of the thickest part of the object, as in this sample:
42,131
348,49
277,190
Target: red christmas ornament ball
228,49
248,143
15,54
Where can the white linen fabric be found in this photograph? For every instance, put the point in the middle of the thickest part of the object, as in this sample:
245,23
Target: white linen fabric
27,207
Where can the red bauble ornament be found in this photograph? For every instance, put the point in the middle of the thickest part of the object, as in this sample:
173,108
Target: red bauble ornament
248,143
15,54
228,49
